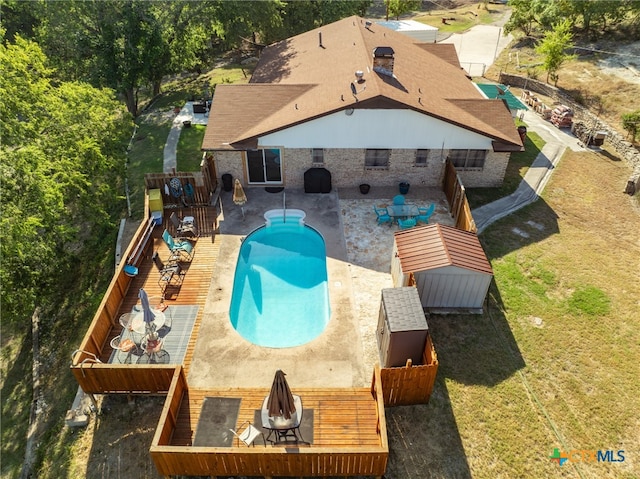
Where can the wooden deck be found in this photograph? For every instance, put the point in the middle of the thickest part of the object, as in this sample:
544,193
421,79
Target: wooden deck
196,274
90,362
349,435
342,416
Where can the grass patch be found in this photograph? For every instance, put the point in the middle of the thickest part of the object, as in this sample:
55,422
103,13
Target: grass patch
519,164
189,154
589,300
461,19
146,155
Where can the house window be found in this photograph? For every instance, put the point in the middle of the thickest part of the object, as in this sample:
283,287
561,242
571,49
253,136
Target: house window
377,159
317,156
468,159
421,157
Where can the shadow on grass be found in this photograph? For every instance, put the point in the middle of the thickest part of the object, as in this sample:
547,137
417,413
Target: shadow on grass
536,222
122,437
518,165
16,392
424,440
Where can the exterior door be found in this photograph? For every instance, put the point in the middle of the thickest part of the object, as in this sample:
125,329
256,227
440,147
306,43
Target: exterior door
264,166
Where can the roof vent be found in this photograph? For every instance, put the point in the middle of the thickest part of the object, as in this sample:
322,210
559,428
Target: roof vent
367,25
383,60
359,76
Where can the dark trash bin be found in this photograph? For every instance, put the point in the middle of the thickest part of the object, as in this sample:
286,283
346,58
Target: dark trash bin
227,182
364,188
522,131
404,188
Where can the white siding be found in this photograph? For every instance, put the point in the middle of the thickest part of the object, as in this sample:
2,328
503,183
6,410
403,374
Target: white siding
377,129
452,287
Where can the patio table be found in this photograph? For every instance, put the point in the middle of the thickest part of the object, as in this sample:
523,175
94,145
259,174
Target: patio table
137,321
403,211
284,429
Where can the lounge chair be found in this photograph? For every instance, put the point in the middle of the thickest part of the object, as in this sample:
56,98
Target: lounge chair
383,215
425,213
406,224
249,434
178,248
183,226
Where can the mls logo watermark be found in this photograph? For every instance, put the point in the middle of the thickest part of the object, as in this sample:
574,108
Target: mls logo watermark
586,455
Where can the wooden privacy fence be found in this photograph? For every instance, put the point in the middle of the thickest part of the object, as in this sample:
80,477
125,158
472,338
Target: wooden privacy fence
291,460
458,204
200,189
407,385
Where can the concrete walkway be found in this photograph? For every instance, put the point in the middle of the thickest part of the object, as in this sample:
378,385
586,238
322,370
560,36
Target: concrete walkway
169,164
536,177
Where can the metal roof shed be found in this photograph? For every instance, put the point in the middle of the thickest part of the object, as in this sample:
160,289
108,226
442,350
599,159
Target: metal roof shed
449,267
420,31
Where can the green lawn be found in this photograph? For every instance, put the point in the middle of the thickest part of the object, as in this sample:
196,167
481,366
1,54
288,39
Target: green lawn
189,154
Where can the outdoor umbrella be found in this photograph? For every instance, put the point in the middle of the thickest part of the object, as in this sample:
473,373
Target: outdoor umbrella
239,198
280,402
147,312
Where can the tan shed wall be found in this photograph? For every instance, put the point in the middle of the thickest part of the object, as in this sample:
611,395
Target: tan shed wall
452,287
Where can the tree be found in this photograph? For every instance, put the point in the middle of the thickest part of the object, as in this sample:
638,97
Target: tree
117,44
554,47
61,160
395,8
631,123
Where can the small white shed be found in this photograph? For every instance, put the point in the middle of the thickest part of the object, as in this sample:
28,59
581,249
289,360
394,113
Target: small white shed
449,267
421,32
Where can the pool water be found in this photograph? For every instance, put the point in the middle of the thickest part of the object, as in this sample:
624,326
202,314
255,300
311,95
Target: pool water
280,293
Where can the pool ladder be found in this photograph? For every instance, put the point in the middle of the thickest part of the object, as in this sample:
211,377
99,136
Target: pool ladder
284,207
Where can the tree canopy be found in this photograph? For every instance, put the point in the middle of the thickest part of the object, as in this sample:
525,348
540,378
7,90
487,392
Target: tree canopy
61,160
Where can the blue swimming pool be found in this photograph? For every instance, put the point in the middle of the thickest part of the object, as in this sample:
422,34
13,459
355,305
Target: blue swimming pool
280,292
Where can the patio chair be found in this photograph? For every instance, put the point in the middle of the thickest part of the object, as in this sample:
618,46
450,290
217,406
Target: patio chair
126,348
169,273
383,215
177,247
182,226
249,434
398,200
406,224
425,213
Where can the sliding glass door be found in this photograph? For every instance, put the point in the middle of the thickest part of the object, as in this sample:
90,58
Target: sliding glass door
264,166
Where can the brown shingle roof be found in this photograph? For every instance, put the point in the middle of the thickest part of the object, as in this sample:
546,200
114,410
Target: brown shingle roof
437,246
301,80
446,51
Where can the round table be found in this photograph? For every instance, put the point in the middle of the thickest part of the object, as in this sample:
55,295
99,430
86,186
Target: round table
138,325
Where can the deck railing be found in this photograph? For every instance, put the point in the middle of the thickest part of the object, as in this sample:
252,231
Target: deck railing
95,377
309,461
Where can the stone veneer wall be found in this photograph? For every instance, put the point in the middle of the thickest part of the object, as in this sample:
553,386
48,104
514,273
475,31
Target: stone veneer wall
583,116
492,175
229,162
347,168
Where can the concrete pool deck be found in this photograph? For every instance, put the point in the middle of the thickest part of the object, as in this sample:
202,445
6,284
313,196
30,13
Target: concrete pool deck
358,266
